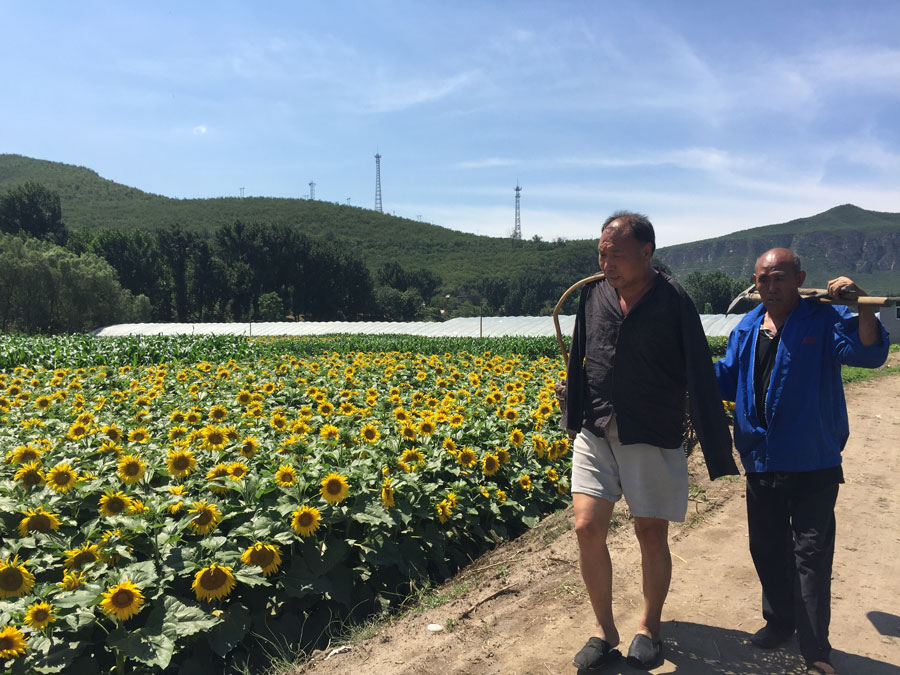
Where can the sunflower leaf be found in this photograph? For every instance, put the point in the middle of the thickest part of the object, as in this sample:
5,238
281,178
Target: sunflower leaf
84,597
141,574
187,619
54,657
225,635
152,643
250,579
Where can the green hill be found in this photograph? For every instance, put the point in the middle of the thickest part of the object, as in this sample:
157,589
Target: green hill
457,257
843,240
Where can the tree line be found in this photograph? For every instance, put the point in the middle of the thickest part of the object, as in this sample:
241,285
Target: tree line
53,279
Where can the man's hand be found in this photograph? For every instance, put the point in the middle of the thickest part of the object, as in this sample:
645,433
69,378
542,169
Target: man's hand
559,388
844,286
869,332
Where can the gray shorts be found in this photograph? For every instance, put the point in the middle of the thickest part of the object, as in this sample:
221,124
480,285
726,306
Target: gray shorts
654,480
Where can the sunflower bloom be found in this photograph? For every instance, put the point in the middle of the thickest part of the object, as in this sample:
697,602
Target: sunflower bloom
12,642
218,413
412,458
122,601
139,435
408,431
387,494
15,580
266,556
306,520
214,438
131,469
207,518
525,482
24,454
540,445
329,432
237,470
370,433
181,462
40,615
490,464
114,503
285,476
38,520
30,474
61,478
79,557
444,510
77,431
516,437
467,457
72,580
249,447
213,582
334,488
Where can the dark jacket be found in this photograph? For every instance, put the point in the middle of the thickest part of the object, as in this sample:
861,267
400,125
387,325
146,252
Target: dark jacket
640,366
806,415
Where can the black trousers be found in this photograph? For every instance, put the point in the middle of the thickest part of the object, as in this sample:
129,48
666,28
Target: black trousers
792,546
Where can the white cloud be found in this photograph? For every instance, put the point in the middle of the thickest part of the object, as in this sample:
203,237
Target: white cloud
391,93
199,130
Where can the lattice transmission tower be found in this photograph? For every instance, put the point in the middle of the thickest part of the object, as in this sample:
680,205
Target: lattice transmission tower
312,189
378,182
517,230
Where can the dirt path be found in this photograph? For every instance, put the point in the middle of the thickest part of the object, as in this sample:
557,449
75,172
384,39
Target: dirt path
542,617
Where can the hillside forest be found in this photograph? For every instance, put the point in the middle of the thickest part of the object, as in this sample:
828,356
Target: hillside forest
134,257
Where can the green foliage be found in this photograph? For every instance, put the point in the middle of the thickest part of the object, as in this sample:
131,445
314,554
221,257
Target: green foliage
458,260
46,288
393,510
33,210
712,292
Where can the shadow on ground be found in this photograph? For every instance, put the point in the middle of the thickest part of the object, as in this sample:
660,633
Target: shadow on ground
696,649
886,624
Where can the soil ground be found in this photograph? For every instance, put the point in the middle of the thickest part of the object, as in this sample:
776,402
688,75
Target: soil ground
522,608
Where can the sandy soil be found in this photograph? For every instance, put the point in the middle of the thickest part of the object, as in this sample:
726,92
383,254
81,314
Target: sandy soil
522,608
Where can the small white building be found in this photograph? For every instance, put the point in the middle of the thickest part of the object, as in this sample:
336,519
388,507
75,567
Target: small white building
890,317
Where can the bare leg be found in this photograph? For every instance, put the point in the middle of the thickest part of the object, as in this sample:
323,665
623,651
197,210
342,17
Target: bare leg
592,516
656,564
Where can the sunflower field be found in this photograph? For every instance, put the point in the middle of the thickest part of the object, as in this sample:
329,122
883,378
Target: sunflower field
179,514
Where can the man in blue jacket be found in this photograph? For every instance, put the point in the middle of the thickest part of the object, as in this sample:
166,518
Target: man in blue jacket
783,371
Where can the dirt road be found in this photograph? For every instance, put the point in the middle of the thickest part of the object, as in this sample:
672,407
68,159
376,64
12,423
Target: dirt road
540,616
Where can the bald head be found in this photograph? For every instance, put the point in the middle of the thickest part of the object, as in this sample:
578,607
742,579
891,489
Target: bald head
780,256
778,278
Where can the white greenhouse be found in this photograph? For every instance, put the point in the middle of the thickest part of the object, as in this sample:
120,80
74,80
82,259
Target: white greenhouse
489,326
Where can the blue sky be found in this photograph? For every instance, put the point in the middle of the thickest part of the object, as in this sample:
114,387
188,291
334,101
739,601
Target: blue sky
708,116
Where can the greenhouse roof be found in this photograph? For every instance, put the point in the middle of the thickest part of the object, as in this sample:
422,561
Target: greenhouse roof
489,326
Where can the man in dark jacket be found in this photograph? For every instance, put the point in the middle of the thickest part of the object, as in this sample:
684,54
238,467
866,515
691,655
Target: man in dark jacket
638,349
783,371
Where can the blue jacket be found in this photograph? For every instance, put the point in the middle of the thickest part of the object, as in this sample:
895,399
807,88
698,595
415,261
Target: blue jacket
805,407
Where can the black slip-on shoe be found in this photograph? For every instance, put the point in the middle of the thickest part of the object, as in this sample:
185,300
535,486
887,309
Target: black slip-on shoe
644,652
595,655
768,637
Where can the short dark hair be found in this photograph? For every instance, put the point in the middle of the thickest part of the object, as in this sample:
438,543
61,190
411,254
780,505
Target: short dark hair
639,225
